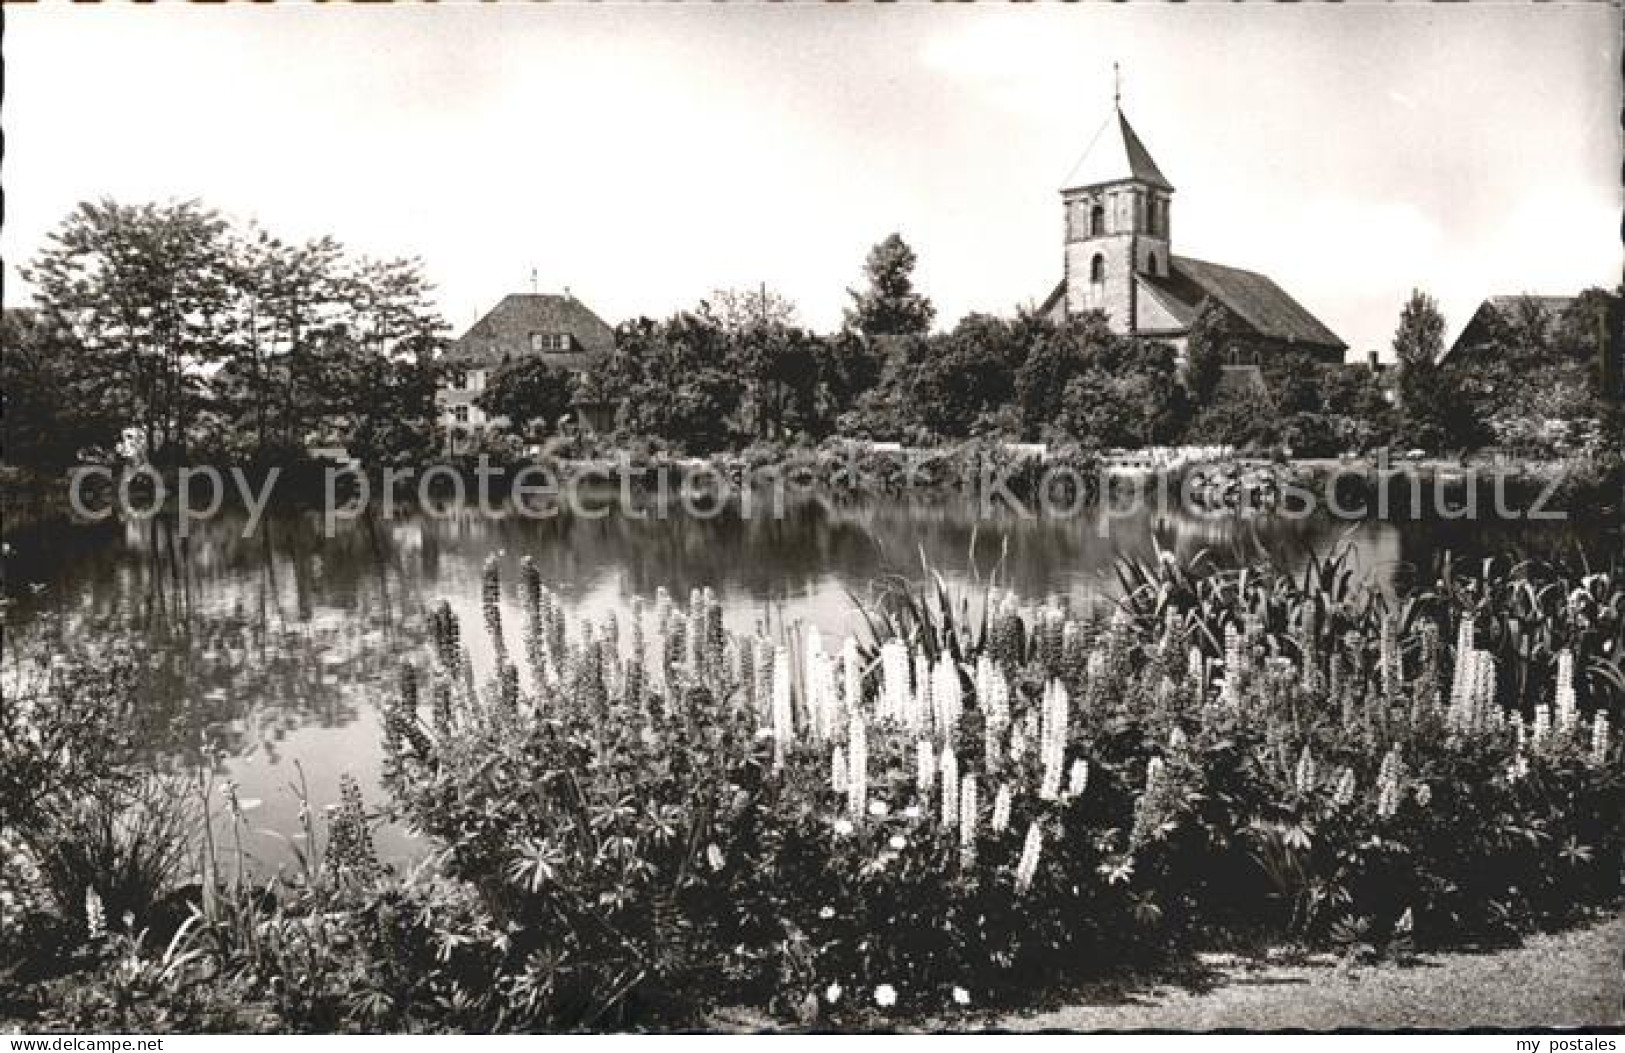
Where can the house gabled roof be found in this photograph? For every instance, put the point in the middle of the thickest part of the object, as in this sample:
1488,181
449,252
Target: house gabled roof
507,328
1501,308
1113,155
1254,299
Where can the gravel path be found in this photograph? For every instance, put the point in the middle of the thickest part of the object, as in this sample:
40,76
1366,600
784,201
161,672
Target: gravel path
1572,979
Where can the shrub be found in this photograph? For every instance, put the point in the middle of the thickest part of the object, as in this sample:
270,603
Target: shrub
119,846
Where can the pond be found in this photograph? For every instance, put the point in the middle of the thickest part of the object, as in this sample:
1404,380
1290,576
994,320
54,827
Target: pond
275,649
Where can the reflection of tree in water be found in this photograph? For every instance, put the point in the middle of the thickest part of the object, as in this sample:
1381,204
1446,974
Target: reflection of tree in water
246,639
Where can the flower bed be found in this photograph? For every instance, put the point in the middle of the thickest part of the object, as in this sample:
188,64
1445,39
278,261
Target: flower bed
958,809
640,821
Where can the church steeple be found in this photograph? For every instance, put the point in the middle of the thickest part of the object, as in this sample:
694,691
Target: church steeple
1115,154
1117,222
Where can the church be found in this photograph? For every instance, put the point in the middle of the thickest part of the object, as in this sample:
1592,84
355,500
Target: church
1119,260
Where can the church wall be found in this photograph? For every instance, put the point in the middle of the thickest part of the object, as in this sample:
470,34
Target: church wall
1111,296
1127,246
1147,248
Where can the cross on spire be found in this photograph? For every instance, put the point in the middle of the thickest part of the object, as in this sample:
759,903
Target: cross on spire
1117,87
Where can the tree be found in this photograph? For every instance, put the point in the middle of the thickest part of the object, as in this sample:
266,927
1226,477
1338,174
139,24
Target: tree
1590,331
53,409
1351,398
1204,350
741,310
1055,356
1435,413
887,408
192,330
848,367
678,379
1245,420
528,390
393,413
779,365
889,306
969,374
146,290
1293,378
1127,395
1419,339
778,361
288,302
1102,389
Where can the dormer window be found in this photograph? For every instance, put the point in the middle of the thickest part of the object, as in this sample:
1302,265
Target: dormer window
549,343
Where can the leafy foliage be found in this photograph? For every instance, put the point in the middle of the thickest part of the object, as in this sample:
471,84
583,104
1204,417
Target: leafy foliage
215,342
53,412
530,391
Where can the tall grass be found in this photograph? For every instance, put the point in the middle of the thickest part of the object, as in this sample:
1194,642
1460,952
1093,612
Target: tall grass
123,844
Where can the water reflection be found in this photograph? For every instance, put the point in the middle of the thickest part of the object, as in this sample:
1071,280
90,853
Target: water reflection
276,647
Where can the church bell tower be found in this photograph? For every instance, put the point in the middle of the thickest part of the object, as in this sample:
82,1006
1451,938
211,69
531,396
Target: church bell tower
1117,224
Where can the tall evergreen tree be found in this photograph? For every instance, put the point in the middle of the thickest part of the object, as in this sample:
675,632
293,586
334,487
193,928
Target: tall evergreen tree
889,305
1434,412
1419,339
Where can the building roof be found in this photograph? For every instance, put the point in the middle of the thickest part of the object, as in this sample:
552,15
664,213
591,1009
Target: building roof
1114,154
506,329
1501,308
1254,299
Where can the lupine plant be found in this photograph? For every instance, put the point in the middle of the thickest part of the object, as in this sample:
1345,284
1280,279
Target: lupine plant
664,808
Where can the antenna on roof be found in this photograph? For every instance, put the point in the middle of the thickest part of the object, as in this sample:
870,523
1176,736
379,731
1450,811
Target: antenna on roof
533,280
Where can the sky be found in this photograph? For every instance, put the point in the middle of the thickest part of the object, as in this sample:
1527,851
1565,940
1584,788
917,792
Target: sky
643,156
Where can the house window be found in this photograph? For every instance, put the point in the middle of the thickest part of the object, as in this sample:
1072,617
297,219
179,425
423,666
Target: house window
1097,269
1097,221
459,378
476,380
542,343
460,414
